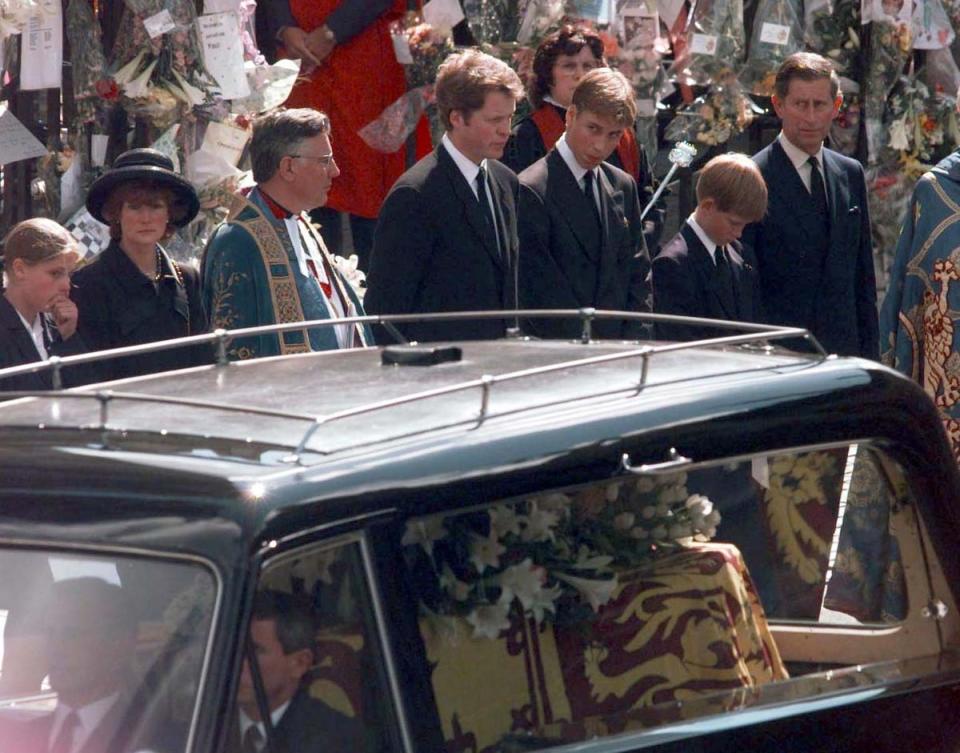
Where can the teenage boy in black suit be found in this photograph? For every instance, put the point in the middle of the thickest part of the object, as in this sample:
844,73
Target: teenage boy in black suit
701,272
581,238
446,237
813,248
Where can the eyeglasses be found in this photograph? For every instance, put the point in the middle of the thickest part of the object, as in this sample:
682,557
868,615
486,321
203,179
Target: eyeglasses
326,160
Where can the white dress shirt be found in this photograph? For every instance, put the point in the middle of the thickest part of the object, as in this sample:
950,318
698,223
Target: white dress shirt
275,716
578,171
704,238
35,331
800,160
90,717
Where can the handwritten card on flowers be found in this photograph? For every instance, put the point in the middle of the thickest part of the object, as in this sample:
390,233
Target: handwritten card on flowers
551,557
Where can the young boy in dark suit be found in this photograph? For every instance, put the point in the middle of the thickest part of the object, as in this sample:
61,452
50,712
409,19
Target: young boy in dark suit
702,272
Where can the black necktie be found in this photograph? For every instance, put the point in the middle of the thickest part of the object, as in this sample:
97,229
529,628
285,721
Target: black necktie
63,743
588,179
725,281
485,207
252,740
817,191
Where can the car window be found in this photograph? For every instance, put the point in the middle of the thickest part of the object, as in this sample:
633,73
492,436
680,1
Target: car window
650,597
314,634
100,647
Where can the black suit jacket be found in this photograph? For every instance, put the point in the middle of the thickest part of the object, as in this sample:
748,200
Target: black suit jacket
17,348
310,725
684,282
559,265
431,251
836,301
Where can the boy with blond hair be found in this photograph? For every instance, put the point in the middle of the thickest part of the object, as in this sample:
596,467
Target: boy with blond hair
702,272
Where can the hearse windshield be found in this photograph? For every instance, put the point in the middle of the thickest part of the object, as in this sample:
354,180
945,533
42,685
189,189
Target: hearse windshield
105,650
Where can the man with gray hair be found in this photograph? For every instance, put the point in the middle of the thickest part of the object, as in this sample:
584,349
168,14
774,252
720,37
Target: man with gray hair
267,264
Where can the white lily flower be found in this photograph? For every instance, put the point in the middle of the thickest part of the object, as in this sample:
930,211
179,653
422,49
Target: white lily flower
504,520
488,621
424,532
139,86
522,581
898,136
126,73
540,524
190,94
588,560
449,582
596,592
485,552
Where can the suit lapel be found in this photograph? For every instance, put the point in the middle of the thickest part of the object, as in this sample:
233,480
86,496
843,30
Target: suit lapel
838,192
566,193
22,340
612,219
468,200
706,270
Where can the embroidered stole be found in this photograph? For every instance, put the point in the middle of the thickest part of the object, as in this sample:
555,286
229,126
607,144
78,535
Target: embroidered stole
284,296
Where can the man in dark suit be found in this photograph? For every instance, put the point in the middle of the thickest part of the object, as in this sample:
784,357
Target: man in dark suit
90,633
701,272
282,633
813,248
446,238
581,238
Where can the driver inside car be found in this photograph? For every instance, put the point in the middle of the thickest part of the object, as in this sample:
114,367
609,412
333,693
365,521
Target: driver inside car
282,637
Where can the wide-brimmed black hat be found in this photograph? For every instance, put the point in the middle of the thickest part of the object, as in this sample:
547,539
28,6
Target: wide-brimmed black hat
142,164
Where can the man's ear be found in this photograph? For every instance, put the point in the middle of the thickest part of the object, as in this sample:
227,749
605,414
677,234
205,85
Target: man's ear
302,661
571,115
837,103
456,118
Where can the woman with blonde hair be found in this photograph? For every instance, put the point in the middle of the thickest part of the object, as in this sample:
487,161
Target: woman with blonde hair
134,293
37,317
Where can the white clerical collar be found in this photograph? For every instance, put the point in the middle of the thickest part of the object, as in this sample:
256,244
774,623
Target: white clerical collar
702,235
796,155
564,149
467,166
275,716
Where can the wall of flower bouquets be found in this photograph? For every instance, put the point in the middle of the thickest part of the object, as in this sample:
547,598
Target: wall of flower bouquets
703,72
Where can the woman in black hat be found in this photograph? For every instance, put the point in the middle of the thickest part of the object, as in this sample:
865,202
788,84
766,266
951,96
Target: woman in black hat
133,292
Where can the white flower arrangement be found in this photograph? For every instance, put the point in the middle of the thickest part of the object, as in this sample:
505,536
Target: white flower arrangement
15,14
551,557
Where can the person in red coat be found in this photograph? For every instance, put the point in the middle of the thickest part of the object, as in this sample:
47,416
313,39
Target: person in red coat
352,75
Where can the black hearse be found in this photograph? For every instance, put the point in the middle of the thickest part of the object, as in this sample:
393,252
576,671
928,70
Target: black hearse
506,546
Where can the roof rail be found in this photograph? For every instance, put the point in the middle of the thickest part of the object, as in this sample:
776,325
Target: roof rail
755,333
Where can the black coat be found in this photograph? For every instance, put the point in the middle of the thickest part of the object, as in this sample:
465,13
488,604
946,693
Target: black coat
526,146
566,263
17,348
311,725
835,299
684,282
431,251
119,306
